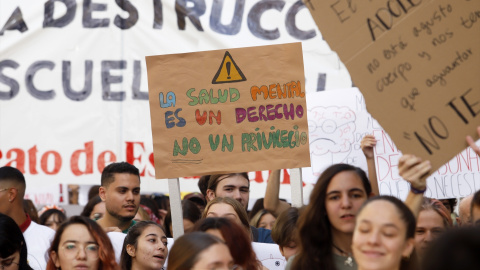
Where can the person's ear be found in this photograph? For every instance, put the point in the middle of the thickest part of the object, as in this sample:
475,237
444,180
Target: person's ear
210,195
12,194
131,250
101,192
409,246
54,258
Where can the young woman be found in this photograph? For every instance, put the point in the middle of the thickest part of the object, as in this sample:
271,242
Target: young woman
263,219
81,243
52,218
433,220
199,250
235,237
145,247
326,225
228,208
13,249
95,208
384,235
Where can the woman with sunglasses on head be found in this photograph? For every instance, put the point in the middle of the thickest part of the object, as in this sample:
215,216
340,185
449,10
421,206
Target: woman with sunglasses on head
81,243
145,247
13,250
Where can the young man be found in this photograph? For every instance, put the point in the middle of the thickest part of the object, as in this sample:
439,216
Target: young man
234,185
120,190
37,237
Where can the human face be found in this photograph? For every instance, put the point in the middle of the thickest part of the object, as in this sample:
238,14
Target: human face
122,196
379,239
266,221
11,262
235,186
53,222
345,195
216,256
429,226
476,215
98,211
77,249
223,210
151,250
289,250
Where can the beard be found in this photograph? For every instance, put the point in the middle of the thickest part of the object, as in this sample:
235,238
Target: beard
120,217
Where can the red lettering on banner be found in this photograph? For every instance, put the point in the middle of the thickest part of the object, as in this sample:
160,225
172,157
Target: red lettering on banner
103,161
19,160
150,158
286,178
131,158
57,161
88,151
32,159
390,164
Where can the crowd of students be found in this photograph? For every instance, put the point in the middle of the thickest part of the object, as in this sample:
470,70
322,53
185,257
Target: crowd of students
346,225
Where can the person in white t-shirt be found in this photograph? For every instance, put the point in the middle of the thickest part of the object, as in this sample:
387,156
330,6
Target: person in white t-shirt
37,237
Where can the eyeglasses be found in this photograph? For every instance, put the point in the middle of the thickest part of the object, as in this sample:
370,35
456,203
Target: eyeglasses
7,263
71,250
4,189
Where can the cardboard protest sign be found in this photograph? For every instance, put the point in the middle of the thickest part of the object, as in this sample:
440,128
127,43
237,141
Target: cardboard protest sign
417,65
228,110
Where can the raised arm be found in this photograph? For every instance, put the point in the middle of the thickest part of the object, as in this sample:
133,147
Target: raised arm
415,171
367,144
272,201
472,144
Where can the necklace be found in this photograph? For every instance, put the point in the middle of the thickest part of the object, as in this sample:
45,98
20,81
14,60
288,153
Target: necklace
349,259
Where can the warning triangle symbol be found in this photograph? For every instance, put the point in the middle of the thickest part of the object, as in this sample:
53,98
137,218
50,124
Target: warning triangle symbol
228,71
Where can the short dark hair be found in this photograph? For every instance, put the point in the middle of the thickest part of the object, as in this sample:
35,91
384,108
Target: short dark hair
8,173
44,217
211,181
285,229
117,167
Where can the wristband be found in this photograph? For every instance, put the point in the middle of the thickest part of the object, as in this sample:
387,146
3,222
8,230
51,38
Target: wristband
417,191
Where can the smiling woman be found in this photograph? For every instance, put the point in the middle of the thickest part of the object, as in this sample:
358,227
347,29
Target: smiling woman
386,240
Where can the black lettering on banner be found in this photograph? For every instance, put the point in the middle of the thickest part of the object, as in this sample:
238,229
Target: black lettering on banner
431,128
67,85
31,71
88,21
215,18
291,26
467,104
192,13
255,15
14,86
132,15
49,8
158,14
108,79
137,77
15,22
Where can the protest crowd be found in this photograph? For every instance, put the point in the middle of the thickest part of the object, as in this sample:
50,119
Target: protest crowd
346,225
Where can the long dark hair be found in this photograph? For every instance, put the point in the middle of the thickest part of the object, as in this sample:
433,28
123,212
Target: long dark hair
132,239
314,228
11,241
106,254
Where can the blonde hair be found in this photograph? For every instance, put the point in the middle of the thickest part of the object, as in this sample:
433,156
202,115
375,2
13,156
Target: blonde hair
236,205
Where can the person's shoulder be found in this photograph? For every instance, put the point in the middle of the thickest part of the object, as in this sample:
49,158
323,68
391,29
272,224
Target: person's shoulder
39,229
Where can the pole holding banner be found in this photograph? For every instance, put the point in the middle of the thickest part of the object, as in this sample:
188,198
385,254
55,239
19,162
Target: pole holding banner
176,207
296,187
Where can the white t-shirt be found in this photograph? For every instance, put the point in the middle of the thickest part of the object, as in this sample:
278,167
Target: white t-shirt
38,239
116,238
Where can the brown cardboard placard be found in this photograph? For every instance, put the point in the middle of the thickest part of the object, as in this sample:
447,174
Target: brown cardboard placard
417,63
228,111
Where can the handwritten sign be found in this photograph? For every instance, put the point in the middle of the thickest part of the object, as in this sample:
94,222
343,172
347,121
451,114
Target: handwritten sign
459,177
228,110
418,60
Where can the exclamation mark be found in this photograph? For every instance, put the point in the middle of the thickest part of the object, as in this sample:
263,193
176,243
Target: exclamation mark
228,69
